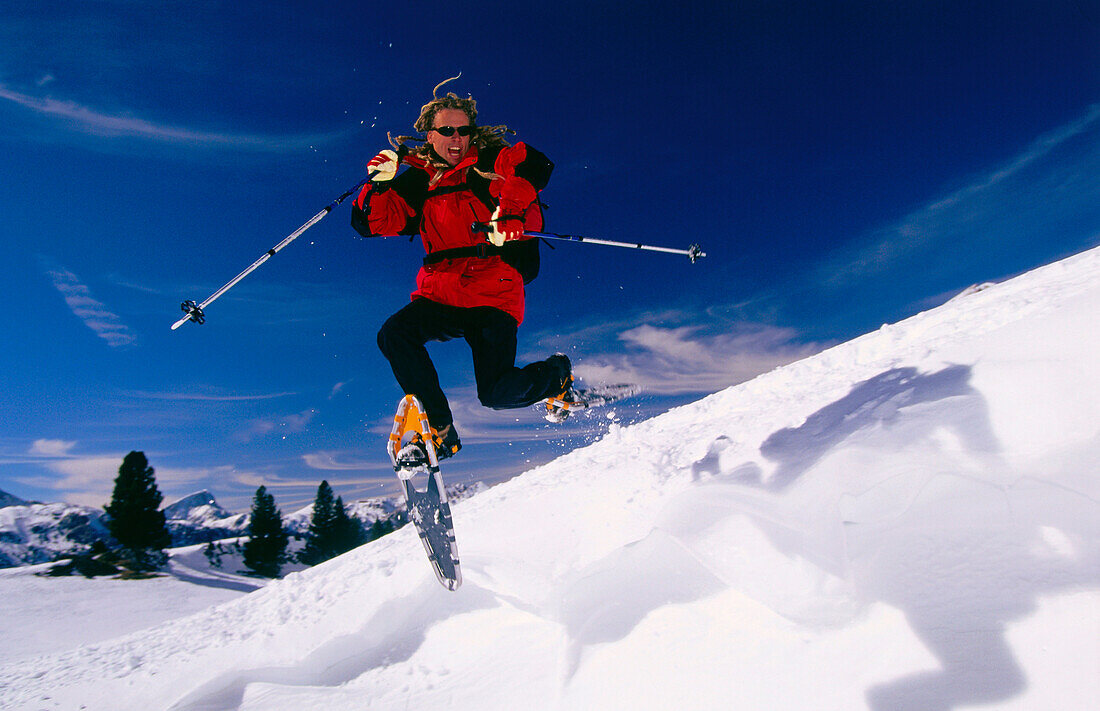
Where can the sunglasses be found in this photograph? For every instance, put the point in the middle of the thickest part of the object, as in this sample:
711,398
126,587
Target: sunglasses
448,131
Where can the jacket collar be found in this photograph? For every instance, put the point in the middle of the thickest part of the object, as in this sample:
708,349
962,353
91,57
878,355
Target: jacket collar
467,160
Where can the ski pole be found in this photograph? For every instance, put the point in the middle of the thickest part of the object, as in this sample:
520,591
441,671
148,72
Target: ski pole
693,252
195,311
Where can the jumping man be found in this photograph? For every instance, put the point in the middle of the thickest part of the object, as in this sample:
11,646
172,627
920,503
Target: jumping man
469,287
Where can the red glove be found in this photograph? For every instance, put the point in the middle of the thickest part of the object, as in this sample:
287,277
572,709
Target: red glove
383,166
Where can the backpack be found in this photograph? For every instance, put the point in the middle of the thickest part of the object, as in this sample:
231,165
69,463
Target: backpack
523,256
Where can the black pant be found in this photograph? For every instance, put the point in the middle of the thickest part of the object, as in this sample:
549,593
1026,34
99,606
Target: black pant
491,334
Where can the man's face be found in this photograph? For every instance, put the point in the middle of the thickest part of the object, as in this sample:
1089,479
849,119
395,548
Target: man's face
450,148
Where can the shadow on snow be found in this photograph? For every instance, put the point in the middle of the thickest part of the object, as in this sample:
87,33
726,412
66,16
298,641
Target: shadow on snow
960,547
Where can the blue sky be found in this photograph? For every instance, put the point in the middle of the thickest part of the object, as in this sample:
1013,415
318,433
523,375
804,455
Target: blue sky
843,164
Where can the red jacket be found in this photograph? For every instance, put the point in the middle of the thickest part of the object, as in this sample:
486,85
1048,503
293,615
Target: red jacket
444,212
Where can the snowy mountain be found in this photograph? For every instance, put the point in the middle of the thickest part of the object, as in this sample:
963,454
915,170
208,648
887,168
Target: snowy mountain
36,533
199,519
910,520
32,533
7,499
200,507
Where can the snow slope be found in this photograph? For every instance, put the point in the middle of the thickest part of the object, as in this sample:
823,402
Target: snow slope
907,521
40,615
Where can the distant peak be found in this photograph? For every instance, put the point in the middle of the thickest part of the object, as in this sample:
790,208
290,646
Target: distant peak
7,499
180,508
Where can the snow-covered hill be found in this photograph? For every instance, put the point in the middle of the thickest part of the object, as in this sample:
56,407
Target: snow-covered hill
35,533
32,533
910,520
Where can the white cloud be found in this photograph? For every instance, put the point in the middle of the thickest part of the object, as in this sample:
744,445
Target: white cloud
88,479
679,360
677,352
93,313
327,461
85,473
86,120
667,343
52,447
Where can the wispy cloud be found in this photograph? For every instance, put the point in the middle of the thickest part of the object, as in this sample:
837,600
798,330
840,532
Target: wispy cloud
51,447
686,359
284,424
330,461
207,397
1051,185
302,490
93,313
326,461
676,352
87,478
86,120
83,480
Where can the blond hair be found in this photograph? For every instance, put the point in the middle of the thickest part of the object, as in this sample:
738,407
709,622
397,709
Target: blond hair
483,137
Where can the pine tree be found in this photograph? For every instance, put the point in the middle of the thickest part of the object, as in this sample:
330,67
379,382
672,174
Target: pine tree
331,531
265,549
379,528
134,515
322,528
349,531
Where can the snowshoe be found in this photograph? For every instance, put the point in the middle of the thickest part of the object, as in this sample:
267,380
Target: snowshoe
412,450
446,442
559,406
574,399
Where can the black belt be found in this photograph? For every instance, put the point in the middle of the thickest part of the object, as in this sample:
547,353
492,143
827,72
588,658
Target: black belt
481,251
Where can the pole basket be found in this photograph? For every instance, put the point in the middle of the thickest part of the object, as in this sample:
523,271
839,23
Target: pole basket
193,311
